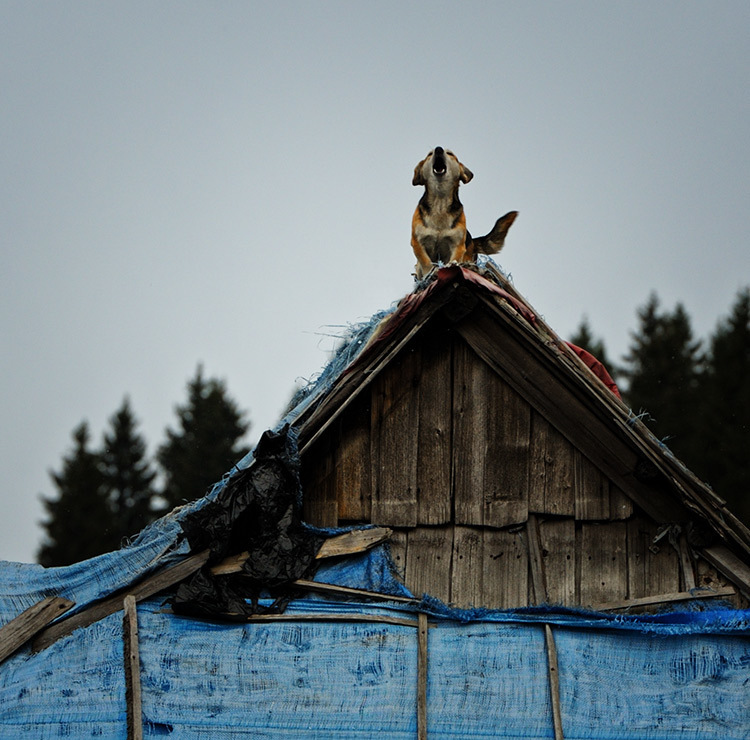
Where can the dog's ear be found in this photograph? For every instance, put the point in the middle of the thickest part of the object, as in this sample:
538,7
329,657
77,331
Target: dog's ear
465,174
418,178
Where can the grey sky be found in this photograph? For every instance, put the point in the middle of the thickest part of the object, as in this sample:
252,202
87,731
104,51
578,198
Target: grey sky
227,182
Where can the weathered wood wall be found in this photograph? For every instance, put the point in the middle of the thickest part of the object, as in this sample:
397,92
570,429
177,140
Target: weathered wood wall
444,451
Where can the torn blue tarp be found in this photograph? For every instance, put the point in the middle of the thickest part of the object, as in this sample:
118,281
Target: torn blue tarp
358,679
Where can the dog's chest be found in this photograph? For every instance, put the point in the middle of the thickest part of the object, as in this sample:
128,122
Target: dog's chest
439,231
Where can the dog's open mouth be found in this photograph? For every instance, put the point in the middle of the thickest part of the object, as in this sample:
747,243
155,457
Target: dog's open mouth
438,162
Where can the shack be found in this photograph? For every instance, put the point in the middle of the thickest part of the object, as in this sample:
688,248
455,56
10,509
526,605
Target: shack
458,531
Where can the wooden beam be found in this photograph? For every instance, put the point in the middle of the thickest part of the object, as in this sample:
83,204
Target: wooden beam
330,588
132,669
20,630
730,566
664,599
686,563
349,543
422,678
100,609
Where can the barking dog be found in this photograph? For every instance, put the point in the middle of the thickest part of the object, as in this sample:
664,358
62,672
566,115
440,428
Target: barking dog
438,228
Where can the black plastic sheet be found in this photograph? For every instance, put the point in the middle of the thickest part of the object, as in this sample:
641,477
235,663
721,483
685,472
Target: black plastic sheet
258,511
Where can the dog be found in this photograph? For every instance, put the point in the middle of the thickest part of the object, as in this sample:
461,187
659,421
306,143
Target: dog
438,227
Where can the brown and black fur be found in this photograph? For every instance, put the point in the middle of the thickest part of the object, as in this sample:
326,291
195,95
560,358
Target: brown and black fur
439,231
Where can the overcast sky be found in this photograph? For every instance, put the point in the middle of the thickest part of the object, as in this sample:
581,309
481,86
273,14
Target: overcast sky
229,183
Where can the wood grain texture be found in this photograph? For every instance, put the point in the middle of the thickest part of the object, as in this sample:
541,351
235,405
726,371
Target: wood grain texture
394,442
652,569
557,538
552,470
435,429
30,622
132,661
428,561
603,561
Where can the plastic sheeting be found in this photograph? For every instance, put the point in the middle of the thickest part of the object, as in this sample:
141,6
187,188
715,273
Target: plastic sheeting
302,679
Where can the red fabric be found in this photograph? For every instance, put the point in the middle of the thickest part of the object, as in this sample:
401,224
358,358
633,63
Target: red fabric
597,368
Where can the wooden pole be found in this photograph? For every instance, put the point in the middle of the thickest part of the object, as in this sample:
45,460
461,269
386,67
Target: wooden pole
422,679
539,589
132,669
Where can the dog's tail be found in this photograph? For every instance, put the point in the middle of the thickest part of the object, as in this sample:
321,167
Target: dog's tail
493,242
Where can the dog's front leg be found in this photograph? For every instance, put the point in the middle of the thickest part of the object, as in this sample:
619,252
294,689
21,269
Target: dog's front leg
424,263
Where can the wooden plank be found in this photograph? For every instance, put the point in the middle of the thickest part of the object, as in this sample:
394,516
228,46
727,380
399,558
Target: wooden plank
467,567
538,584
651,570
591,490
687,567
552,470
508,461
428,566
553,674
422,657
505,569
394,435
348,543
435,430
397,547
132,669
469,435
730,566
604,572
28,623
147,587
319,505
659,599
620,505
352,478
330,588
558,545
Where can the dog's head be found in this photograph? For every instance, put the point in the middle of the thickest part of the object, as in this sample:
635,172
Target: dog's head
440,167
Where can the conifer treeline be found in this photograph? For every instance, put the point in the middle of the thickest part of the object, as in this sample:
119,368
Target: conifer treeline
109,494
694,394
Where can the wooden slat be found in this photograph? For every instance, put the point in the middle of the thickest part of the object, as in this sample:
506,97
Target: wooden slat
730,565
505,569
143,590
651,570
422,678
604,572
466,567
319,505
348,543
435,430
552,470
686,564
132,669
352,479
394,440
538,584
28,623
558,542
397,546
553,673
330,588
469,435
660,599
620,505
428,567
591,490
508,462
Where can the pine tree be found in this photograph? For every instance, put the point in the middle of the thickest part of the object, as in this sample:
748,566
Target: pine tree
664,365
726,419
207,443
128,476
79,516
